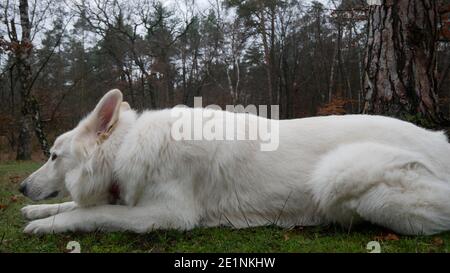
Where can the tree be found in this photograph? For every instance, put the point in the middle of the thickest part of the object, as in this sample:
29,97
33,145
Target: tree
400,65
21,50
261,14
23,62
160,38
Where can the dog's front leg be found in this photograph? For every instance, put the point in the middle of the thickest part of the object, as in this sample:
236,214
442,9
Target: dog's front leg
110,218
32,212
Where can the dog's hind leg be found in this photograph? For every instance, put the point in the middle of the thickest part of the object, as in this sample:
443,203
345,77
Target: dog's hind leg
112,218
32,212
391,187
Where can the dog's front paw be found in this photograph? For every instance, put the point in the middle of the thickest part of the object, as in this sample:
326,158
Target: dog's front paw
32,212
42,226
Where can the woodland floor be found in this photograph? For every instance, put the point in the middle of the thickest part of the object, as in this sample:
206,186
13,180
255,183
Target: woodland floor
264,239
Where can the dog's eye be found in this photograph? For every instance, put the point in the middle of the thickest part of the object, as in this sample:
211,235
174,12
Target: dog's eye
54,156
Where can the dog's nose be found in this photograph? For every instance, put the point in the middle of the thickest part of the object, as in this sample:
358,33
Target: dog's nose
23,188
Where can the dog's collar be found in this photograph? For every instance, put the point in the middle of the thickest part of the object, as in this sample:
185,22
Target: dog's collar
114,193
101,137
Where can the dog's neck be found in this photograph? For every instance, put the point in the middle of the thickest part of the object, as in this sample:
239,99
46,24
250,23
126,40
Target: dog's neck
111,140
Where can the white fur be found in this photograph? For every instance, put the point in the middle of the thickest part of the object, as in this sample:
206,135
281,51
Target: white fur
342,169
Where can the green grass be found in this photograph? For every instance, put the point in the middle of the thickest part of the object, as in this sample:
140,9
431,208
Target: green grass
264,239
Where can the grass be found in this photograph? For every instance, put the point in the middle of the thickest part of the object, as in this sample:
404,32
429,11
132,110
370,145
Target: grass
264,239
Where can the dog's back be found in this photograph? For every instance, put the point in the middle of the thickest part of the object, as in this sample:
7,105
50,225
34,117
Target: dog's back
233,182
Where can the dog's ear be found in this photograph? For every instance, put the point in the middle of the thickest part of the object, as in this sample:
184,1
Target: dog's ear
107,111
125,106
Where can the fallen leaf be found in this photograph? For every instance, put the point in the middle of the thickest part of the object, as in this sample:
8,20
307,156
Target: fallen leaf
392,237
14,179
2,206
388,237
286,237
14,198
437,241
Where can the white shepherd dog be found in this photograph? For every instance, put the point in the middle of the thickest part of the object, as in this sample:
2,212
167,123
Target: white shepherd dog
125,172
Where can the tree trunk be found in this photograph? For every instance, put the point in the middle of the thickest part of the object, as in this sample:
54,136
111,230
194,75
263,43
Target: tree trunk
332,72
400,64
23,55
267,58
24,139
38,128
30,107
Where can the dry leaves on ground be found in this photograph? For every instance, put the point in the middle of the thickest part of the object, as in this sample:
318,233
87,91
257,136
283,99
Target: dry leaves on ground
387,237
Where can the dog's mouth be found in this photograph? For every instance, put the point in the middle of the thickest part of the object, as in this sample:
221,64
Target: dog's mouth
52,195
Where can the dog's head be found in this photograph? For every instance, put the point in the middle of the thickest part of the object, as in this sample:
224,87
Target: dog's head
74,148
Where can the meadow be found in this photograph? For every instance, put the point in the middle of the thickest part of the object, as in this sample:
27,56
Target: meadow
224,240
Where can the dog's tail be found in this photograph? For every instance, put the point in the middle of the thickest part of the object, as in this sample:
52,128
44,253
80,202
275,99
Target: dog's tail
388,186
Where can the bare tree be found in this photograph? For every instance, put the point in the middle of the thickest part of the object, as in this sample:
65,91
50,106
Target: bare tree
21,47
24,70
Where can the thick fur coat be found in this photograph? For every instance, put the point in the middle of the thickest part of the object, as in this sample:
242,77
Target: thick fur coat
124,171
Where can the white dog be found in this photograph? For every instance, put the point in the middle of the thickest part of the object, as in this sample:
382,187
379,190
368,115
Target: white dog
125,171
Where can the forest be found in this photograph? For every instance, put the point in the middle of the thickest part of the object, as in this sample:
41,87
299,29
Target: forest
308,57
57,58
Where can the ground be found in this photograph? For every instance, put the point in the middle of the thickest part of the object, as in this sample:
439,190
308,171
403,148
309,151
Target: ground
264,239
